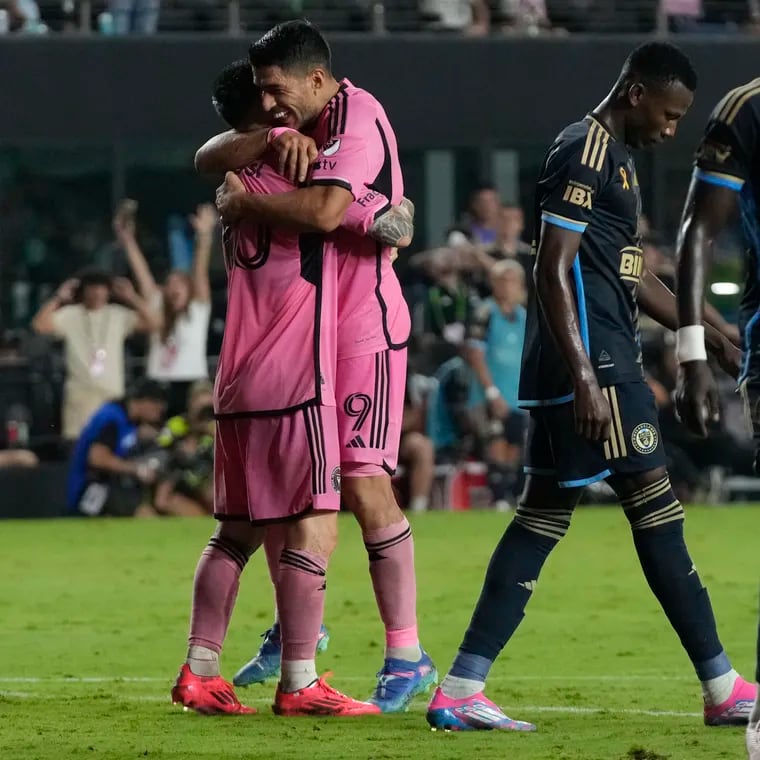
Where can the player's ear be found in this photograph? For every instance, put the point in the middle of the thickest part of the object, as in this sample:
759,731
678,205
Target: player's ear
636,93
318,79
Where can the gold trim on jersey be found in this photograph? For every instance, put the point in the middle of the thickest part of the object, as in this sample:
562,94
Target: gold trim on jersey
729,107
595,147
615,446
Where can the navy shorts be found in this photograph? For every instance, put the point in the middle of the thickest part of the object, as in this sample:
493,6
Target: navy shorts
635,443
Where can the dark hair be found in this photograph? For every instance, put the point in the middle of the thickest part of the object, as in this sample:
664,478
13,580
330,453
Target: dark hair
147,390
659,64
234,94
91,277
292,45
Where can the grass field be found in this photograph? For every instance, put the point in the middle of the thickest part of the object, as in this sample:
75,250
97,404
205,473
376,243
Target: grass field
94,619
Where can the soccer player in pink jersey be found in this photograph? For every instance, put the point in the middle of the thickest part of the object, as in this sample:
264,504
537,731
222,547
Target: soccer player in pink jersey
276,454
358,158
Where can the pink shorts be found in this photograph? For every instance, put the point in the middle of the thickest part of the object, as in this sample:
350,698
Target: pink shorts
274,468
369,391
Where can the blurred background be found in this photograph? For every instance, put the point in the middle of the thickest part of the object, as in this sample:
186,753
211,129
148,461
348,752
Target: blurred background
102,102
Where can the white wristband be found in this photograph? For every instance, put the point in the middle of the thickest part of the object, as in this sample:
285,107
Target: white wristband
492,393
690,344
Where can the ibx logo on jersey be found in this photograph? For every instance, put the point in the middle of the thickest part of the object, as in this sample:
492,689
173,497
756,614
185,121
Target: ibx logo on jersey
332,147
578,194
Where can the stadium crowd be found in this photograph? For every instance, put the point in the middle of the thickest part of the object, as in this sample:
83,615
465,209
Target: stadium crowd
468,17
124,363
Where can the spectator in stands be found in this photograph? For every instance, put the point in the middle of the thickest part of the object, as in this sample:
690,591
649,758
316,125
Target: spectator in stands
523,16
416,449
509,245
182,306
468,17
134,16
185,487
480,224
448,307
93,330
107,475
494,352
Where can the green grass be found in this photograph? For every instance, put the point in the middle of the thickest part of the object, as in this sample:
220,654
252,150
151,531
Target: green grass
109,600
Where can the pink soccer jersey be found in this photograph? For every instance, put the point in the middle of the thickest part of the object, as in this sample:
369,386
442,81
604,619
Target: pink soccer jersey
278,351
279,346
358,151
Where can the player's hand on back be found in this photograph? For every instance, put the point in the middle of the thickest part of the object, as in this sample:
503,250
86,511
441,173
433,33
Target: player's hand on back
295,153
228,195
592,412
697,396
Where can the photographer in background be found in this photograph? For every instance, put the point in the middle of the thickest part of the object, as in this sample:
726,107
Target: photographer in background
181,306
107,473
185,487
93,330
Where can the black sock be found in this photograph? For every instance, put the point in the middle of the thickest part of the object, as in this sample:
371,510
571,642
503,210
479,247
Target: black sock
656,518
511,578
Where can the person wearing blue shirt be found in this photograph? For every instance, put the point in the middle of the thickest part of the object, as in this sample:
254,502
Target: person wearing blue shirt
105,477
493,350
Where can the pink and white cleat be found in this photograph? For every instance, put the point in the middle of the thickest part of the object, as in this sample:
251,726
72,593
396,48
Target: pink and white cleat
735,711
475,713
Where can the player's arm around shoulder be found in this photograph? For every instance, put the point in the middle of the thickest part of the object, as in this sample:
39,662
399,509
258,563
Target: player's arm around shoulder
230,151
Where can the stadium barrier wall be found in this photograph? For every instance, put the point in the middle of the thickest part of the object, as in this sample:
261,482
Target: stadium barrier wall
439,91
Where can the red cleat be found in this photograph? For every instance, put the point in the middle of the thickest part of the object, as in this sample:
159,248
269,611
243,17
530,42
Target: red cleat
207,695
320,699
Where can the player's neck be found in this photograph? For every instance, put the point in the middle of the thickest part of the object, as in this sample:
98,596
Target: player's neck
610,117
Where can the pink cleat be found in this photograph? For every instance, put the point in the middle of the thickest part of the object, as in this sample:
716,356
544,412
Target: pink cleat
735,711
475,713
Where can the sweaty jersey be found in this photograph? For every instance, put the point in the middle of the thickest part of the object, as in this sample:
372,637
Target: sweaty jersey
729,156
588,184
358,152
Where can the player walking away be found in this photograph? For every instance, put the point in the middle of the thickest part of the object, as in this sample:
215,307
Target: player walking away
276,451
592,415
358,159
726,181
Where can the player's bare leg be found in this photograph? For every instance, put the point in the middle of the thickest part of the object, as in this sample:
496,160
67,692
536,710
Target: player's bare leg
656,519
300,586
200,686
387,535
541,520
419,459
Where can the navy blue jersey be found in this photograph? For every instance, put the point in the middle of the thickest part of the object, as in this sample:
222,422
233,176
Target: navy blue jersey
588,184
729,156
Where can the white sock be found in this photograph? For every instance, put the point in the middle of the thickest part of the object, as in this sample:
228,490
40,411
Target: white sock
297,674
419,504
717,690
410,654
203,661
755,717
461,688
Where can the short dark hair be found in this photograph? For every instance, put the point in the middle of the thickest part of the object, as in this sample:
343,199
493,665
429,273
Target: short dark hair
291,45
234,94
659,64
89,277
146,389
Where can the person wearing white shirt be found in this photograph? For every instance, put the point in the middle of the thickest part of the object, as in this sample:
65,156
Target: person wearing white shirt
177,351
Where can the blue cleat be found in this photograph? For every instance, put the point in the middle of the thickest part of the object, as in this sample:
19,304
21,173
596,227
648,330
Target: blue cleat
399,681
265,666
476,713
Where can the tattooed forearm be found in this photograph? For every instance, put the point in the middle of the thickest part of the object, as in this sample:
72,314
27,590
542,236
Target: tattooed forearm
395,227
